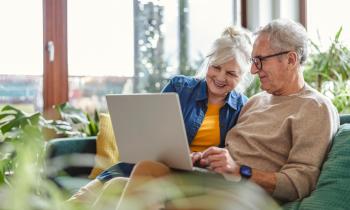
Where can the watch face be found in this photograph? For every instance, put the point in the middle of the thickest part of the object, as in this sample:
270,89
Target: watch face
245,171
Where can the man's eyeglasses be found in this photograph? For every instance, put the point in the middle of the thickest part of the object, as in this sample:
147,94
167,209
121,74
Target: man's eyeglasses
258,59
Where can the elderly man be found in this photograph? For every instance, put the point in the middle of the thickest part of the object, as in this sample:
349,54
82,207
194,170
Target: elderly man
282,134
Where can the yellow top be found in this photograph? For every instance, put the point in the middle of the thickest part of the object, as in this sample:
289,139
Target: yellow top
209,133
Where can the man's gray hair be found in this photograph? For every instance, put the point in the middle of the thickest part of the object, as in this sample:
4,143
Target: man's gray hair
284,35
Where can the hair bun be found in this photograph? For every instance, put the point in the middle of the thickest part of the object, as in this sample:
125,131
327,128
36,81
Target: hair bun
230,32
234,32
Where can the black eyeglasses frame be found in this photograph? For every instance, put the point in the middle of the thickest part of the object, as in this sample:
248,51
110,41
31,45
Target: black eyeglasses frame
258,59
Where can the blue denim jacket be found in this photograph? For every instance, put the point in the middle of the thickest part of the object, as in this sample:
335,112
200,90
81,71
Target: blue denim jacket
193,99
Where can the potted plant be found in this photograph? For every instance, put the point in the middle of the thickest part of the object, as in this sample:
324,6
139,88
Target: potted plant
83,124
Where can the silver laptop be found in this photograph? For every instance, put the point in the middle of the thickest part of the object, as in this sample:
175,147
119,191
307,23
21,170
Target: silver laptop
150,127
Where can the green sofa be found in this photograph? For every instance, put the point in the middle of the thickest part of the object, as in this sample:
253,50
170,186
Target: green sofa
70,160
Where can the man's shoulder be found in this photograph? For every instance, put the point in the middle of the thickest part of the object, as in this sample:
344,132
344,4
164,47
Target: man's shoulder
258,96
315,103
312,96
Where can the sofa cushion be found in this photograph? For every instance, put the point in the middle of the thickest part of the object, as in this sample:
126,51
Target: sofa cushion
106,147
333,187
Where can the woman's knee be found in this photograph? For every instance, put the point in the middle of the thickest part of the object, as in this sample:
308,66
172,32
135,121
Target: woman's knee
147,167
116,183
118,180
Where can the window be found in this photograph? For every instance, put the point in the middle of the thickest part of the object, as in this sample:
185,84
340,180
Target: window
100,50
324,18
204,28
21,54
261,12
106,46
134,46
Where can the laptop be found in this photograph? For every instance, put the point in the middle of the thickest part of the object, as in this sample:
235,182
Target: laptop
150,127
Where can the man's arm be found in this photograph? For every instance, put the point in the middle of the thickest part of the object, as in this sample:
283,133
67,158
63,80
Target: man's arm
220,161
266,180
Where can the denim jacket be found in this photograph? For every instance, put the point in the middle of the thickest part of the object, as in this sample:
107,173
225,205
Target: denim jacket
194,99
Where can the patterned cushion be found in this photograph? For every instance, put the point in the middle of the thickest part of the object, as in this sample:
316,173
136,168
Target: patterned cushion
333,187
106,148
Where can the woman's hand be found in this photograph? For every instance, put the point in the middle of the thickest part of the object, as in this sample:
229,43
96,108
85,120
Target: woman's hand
219,160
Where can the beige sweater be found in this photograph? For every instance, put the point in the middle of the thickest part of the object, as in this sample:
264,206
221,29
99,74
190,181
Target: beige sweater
288,135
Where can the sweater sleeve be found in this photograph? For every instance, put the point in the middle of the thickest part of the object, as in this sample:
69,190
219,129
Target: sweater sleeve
312,130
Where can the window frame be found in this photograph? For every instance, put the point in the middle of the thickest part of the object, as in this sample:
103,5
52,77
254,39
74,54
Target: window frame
55,74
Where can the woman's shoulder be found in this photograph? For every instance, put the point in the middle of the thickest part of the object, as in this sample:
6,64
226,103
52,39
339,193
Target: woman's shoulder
239,97
182,80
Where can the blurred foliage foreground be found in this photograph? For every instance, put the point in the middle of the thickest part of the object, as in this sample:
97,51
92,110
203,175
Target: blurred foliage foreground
22,148
24,184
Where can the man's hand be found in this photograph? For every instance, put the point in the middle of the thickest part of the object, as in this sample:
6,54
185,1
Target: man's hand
219,160
196,157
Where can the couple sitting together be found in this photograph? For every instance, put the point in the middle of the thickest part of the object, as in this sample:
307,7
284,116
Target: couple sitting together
277,139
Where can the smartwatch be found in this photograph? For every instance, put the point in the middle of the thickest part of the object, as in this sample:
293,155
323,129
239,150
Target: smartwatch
245,171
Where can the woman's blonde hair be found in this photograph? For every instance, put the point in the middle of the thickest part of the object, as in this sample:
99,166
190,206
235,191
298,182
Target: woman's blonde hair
234,43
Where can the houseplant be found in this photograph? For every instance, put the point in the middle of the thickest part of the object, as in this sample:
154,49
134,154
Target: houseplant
82,123
329,71
22,146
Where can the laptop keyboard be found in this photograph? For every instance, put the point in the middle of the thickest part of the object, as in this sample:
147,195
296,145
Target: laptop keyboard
203,170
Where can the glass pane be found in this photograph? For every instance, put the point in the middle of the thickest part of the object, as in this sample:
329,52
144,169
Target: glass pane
204,29
156,49
170,32
325,18
100,50
21,54
101,44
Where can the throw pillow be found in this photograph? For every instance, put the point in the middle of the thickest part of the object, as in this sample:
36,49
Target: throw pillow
333,186
106,148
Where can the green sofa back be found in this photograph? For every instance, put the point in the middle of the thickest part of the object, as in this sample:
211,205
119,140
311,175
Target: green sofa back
333,187
69,149
344,118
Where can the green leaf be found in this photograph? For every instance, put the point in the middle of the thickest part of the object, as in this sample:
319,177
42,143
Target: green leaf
5,114
338,33
20,120
92,127
315,46
11,108
11,124
70,113
82,123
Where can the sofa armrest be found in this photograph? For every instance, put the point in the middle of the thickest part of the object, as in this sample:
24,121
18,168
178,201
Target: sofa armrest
70,156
